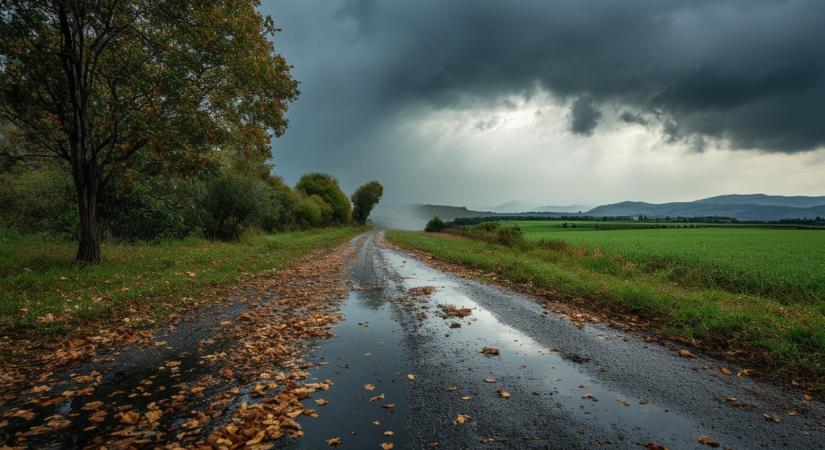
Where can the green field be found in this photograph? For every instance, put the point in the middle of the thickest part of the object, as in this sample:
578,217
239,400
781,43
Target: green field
42,294
757,291
785,264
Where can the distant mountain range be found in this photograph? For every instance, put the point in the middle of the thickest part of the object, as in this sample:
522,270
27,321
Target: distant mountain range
520,207
742,207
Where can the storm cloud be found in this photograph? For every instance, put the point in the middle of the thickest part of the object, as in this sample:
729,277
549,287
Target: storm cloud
747,71
729,74
584,116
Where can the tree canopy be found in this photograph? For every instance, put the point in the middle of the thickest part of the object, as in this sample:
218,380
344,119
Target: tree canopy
326,187
364,199
181,83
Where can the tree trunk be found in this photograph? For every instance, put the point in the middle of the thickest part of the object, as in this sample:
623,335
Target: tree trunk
88,249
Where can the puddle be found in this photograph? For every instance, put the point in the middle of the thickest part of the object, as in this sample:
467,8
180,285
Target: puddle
366,350
526,365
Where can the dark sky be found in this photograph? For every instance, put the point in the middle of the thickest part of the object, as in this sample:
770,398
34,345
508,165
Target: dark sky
478,102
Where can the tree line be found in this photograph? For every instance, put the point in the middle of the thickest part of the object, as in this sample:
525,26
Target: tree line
148,118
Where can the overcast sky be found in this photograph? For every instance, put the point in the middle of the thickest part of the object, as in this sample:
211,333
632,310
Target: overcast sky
479,102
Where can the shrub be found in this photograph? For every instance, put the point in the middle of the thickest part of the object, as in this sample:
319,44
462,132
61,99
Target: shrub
39,200
493,232
231,203
153,208
435,225
326,187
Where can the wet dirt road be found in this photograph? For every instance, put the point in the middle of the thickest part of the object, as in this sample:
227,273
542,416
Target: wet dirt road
404,376
594,387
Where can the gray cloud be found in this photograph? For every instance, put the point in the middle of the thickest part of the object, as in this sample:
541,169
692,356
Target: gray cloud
631,117
749,71
584,116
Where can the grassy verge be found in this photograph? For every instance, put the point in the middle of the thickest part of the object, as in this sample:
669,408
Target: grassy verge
43,295
773,337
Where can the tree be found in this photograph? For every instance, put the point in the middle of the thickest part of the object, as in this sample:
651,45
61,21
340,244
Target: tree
326,187
95,82
435,225
364,199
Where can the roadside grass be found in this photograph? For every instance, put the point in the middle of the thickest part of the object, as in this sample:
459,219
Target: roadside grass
43,295
772,335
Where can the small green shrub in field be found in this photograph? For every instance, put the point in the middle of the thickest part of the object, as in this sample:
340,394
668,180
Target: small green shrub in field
435,225
495,232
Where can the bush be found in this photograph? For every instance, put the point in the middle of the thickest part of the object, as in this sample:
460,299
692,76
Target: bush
233,202
493,232
435,225
39,200
154,208
326,187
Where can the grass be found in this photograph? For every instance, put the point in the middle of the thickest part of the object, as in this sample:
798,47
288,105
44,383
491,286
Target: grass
784,264
775,334
43,295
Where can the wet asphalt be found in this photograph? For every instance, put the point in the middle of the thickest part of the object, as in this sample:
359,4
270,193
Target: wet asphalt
569,388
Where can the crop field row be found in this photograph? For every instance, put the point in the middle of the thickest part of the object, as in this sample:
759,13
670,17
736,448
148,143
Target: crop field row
785,264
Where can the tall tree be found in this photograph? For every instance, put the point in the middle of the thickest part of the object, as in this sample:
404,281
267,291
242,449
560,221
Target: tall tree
93,82
364,199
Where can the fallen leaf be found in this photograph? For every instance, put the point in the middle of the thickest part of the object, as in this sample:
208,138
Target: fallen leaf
655,446
743,373
387,445
321,402
411,377
388,433
725,370
489,380
460,419
333,442
129,417
389,406
503,394
489,351
153,416
770,417
452,388
622,401
709,441
92,405
685,353
369,387
467,397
